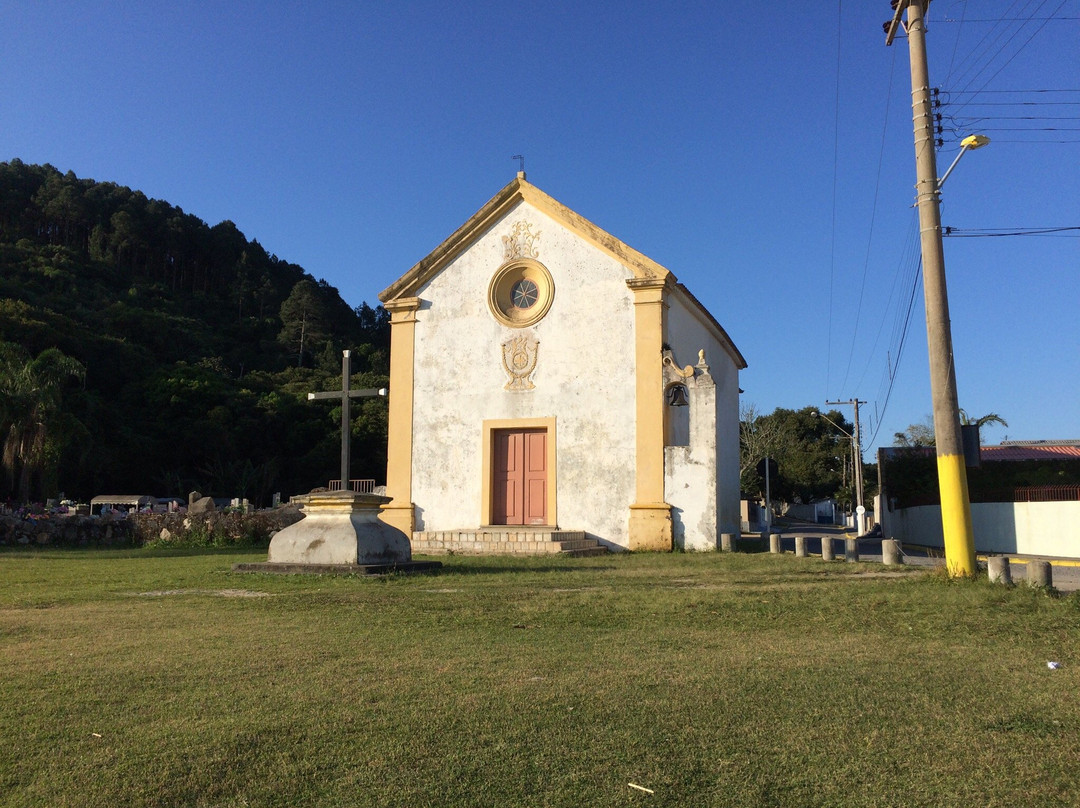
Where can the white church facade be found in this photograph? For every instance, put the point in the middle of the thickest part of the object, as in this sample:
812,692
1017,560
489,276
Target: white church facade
548,381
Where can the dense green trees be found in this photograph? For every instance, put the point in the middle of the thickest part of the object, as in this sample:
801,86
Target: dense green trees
814,458
189,374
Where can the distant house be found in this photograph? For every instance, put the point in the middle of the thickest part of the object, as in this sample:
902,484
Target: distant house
1034,510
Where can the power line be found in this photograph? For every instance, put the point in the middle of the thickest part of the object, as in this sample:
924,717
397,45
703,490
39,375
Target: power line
836,172
873,219
1002,92
986,232
906,266
1024,45
1011,19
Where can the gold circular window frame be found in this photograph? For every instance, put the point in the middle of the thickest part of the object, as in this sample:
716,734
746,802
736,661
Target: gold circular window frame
500,292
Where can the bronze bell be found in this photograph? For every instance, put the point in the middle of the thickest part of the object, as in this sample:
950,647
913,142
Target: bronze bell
677,396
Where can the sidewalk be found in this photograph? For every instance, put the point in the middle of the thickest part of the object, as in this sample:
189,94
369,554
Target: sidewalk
1065,571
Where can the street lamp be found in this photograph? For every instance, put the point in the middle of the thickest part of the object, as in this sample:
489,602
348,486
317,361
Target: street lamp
856,450
966,145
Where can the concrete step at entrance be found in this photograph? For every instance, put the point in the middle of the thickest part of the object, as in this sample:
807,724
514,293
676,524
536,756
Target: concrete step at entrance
506,541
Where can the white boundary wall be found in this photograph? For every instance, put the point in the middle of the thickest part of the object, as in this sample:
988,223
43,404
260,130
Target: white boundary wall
1030,528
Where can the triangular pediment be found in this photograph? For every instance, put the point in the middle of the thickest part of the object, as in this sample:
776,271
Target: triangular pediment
519,190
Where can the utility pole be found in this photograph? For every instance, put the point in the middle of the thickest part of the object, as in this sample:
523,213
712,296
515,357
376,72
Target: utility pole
856,447
952,475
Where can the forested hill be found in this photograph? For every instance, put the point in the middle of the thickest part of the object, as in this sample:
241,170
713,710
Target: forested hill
143,351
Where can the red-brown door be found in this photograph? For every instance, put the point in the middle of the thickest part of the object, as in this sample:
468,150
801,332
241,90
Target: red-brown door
520,477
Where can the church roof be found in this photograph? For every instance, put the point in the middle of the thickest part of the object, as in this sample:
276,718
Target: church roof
519,190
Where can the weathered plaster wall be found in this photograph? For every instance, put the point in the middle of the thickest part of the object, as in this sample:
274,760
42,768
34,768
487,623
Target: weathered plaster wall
687,333
690,479
584,378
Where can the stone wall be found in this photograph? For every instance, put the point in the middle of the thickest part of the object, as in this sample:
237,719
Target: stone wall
65,531
206,529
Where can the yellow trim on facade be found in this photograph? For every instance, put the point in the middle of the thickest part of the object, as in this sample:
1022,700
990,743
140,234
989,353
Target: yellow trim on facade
400,512
956,515
650,527
498,206
488,429
650,517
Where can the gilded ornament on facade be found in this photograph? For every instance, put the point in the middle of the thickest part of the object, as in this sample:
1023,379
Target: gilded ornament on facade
521,243
519,360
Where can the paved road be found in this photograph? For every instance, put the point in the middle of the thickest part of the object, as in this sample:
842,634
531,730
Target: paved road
1066,572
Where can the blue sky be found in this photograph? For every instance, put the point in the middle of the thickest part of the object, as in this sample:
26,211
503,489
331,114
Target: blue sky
761,151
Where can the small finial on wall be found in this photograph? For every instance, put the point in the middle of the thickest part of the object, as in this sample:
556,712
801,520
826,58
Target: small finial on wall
521,165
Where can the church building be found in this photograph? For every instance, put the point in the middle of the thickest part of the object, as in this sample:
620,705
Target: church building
551,387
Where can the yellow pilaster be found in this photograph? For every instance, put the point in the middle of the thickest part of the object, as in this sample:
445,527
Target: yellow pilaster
400,512
956,516
650,516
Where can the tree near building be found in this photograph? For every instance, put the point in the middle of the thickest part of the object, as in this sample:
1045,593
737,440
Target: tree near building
987,420
921,435
810,452
759,437
33,425
916,435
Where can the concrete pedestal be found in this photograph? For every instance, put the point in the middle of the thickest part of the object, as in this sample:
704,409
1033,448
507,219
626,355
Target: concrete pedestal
727,542
340,528
851,550
998,570
800,546
890,552
1040,573
827,553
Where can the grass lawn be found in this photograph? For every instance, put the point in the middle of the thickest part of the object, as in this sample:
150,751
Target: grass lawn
132,678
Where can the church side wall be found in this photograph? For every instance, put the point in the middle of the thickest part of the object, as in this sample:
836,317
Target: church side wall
584,379
687,332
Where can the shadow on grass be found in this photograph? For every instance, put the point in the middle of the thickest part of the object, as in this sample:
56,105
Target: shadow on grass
112,553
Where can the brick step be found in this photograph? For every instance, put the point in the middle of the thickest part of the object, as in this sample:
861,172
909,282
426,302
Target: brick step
532,541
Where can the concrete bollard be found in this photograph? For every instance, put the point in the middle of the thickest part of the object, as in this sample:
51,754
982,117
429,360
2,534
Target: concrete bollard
890,552
727,542
998,570
774,542
851,550
827,553
800,546
1040,573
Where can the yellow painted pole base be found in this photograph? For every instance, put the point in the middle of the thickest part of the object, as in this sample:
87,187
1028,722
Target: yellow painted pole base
956,516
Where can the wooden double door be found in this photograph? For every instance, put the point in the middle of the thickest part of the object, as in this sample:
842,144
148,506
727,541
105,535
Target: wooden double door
519,477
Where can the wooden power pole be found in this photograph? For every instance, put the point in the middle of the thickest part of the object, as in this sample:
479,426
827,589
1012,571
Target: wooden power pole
856,452
952,474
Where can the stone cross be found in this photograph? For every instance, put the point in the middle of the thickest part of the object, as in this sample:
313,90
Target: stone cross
343,395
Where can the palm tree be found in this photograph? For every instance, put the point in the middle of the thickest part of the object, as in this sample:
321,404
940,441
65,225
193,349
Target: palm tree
989,418
922,434
32,426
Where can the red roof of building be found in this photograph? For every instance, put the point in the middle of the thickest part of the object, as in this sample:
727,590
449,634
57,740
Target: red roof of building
1042,451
